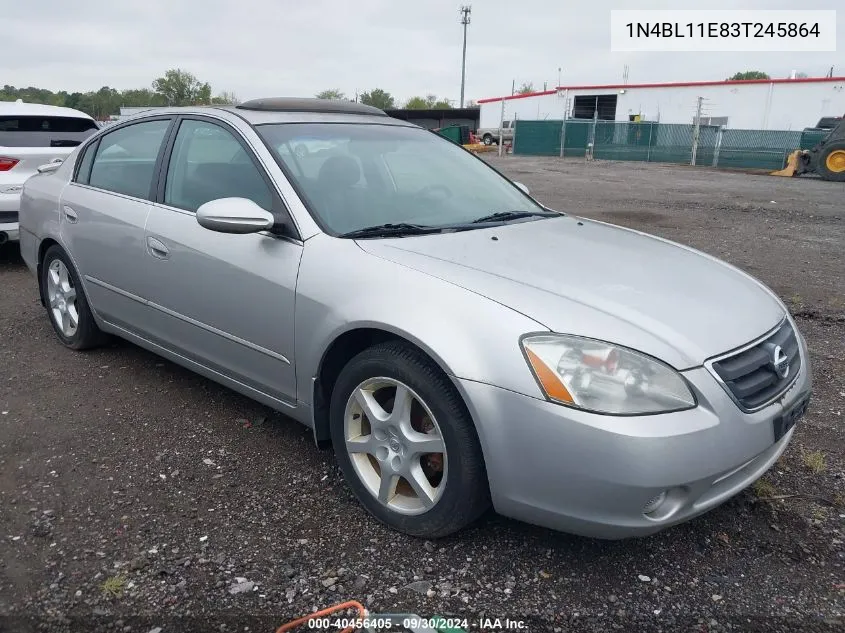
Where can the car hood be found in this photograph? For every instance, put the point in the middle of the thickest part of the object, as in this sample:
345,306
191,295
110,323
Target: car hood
588,278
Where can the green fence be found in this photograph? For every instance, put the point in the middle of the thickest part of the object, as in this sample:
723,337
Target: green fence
539,138
658,142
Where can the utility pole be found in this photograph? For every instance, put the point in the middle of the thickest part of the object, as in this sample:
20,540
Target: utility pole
466,10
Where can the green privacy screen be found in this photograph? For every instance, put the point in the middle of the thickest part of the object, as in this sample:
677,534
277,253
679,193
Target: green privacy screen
537,138
657,142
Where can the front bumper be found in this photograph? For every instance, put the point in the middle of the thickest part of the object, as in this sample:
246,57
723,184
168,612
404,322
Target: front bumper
593,475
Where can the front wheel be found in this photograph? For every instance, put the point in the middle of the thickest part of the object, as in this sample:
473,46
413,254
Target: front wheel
831,164
406,444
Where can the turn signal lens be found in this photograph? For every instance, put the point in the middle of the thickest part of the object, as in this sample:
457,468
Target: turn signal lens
550,381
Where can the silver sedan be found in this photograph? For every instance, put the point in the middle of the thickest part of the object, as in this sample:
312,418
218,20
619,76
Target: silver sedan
456,342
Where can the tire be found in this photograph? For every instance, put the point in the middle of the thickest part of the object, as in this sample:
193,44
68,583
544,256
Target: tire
457,479
488,139
831,162
64,297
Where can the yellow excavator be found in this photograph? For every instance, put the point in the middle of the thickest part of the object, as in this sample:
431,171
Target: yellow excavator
826,158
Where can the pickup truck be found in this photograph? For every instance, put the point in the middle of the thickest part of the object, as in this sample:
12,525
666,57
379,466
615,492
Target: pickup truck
490,135
32,135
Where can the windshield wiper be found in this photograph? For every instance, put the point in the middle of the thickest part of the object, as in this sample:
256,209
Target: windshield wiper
392,230
504,216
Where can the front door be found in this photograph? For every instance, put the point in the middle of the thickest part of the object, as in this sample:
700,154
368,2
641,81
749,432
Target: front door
224,300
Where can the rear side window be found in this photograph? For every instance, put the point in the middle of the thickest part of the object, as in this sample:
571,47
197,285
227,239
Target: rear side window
84,171
44,131
126,158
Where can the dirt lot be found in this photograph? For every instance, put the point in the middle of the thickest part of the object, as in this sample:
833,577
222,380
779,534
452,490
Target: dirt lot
133,493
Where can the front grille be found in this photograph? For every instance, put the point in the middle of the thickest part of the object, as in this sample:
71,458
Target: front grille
750,375
8,216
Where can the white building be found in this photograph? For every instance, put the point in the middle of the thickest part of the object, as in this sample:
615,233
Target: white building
768,104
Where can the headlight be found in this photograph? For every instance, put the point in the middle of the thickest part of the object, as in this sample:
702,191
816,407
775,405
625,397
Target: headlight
602,377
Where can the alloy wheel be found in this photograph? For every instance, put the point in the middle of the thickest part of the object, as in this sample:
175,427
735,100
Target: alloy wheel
61,297
395,445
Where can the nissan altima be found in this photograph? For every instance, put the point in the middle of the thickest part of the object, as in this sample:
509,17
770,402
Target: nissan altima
457,343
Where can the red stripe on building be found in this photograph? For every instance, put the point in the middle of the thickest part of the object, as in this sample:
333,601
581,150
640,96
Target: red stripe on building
680,84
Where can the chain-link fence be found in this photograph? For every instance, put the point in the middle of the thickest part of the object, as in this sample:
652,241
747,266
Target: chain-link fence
659,142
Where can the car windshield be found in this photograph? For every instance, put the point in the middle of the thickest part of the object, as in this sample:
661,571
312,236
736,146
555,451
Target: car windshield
355,176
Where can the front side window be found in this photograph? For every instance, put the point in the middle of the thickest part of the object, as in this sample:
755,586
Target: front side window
360,175
126,158
208,163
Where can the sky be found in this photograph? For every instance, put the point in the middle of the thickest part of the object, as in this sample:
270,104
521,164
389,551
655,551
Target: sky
258,48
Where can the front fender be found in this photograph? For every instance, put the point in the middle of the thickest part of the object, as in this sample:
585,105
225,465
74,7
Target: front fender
342,288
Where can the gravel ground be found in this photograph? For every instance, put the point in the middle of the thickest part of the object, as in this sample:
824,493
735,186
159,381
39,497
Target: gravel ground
136,496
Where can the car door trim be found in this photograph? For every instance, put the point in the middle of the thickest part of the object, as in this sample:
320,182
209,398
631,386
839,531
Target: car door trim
202,369
187,319
108,192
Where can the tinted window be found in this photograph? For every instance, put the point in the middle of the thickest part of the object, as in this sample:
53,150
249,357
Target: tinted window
126,158
44,131
85,163
209,163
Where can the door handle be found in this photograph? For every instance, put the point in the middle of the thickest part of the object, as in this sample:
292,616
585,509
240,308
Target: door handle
70,214
157,248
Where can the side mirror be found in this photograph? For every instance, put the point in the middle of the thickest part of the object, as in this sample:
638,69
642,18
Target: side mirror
234,215
53,165
522,188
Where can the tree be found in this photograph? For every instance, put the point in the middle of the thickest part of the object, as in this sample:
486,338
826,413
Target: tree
141,97
378,98
748,74
416,103
226,98
525,88
179,87
333,93
429,102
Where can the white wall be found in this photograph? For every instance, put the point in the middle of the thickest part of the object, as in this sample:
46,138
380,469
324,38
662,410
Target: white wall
777,106
534,108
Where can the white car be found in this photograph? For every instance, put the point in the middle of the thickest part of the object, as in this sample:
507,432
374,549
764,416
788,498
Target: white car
32,135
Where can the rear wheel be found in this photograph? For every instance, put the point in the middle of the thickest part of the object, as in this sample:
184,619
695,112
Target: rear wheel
406,444
488,139
66,302
831,165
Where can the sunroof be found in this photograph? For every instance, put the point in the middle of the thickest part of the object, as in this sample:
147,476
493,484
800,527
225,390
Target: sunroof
296,104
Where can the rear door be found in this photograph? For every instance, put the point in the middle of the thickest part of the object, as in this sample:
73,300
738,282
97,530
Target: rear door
103,212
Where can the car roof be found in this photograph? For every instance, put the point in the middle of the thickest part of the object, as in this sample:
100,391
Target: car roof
288,110
21,108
